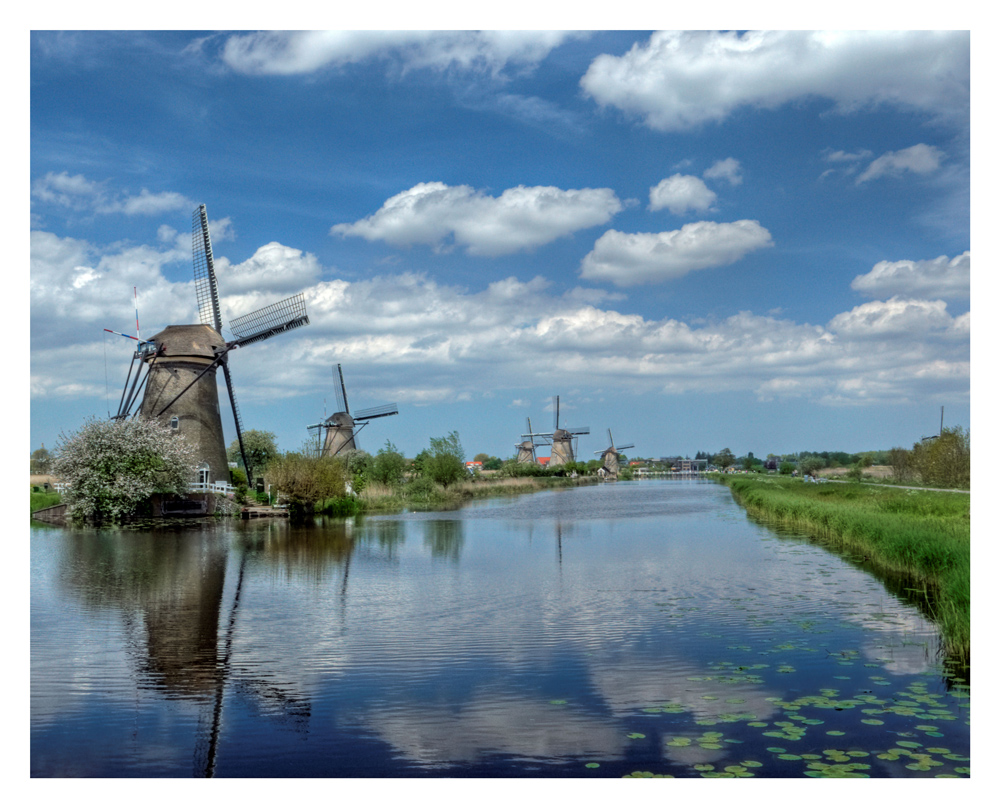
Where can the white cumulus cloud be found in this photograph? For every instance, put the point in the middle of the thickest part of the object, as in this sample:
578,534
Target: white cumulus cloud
939,277
896,316
520,218
728,169
627,259
272,268
919,159
681,193
682,79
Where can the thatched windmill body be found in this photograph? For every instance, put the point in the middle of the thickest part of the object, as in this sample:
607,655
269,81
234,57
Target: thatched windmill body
610,458
563,449
341,427
176,368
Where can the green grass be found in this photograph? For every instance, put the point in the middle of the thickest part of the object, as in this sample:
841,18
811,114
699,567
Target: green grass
924,535
40,499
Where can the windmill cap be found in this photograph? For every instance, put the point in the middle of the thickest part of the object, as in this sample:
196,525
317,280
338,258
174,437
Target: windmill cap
189,340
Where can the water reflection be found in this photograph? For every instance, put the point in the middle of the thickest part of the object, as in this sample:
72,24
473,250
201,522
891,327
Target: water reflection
168,590
487,643
444,538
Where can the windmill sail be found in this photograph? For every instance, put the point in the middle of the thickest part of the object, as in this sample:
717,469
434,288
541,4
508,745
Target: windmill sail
341,391
205,287
271,320
376,412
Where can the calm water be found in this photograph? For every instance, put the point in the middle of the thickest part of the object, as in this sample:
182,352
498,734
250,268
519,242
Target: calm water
596,632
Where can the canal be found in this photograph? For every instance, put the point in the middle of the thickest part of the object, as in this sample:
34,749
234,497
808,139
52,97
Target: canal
643,628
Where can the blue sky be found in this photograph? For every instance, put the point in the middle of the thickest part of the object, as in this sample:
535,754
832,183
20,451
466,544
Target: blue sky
701,240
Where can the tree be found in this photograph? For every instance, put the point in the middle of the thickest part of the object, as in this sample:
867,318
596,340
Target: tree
306,479
389,465
810,464
111,468
901,462
359,466
41,461
261,447
946,461
446,462
724,459
786,467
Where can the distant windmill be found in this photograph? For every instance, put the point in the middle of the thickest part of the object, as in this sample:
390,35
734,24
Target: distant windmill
562,439
526,448
180,362
342,426
610,457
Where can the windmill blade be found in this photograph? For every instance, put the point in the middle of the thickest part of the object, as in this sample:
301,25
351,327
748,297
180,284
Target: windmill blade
238,420
611,440
556,408
341,392
376,412
627,446
205,287
270,321
578,430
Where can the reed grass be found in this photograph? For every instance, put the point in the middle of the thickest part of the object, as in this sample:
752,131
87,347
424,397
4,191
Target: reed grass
923,535
422,493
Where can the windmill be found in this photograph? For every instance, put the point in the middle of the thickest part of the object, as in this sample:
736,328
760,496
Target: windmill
526,448
609,458
562,439
180,362
342,426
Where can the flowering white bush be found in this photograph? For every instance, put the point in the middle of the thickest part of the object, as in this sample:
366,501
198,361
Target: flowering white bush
112,467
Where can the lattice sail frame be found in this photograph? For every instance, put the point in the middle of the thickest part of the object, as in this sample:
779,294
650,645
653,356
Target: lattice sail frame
266,322
205,287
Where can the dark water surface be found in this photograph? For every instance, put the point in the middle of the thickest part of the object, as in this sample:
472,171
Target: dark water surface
600,631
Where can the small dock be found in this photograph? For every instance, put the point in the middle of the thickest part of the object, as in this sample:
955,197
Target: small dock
264,512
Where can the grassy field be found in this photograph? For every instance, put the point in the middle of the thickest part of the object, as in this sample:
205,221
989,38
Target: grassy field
924,535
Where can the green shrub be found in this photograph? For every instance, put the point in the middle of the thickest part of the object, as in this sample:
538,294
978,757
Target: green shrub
420,488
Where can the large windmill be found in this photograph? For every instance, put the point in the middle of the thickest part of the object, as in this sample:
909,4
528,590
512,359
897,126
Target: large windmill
562,439
610,458
342,426
180,362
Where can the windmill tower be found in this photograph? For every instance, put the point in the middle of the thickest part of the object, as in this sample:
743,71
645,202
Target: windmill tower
341,427
562,440
610,457
180,363
526,448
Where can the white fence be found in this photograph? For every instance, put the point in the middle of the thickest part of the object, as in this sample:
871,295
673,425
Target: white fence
218,487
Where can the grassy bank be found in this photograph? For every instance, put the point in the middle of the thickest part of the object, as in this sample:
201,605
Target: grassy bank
41,499
422,494
924,535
